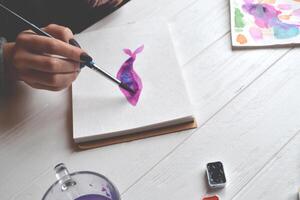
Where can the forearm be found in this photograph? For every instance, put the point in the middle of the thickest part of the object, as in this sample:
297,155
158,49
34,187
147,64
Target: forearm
2,68
7,75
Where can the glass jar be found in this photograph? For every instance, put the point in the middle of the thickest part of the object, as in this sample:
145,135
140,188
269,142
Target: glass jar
82,185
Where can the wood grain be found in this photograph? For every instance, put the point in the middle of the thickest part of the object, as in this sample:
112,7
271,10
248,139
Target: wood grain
248,102
245,135
279,178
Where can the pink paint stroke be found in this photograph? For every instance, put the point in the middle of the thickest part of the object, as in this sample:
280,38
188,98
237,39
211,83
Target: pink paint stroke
256,33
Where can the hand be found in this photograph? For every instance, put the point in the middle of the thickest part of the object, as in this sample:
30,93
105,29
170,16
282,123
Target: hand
30,59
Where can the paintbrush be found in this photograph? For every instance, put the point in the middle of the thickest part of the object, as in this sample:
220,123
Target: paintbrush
73,42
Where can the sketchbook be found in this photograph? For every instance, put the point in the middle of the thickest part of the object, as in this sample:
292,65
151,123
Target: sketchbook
258,23
142,56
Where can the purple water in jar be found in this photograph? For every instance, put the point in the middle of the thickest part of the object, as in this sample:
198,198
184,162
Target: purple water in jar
92,197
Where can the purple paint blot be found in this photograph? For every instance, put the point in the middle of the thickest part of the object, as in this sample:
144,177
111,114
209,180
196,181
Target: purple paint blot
266,16
127,75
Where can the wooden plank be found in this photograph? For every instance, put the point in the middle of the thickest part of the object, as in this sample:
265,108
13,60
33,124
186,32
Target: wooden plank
123,164
24,147
218,75
194,26
21,105
166,143
244,135
33,149
31,139
280,178
37,144
137,10
37,133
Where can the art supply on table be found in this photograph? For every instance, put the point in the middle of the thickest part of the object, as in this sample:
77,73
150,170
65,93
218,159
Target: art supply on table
215,197
215,175
143,55
82,185
258,23
88,61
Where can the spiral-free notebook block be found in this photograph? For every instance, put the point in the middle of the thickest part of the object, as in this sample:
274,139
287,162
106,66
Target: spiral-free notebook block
142,56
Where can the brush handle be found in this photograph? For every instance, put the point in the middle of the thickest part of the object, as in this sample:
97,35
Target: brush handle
26,22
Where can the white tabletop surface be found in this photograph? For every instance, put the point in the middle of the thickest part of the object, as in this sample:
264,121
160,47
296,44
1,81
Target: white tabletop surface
247,105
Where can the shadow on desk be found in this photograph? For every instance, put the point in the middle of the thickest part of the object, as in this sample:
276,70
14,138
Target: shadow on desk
44,114
13,107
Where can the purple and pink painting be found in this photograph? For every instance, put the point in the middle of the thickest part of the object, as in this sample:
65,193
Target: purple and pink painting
265,22
129,76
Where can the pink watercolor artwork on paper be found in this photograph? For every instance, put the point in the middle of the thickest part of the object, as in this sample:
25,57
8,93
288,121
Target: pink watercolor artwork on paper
128,75
265,22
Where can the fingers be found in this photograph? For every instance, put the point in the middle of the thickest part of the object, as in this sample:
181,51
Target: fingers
42,80
36,61
59,32
28,60
59,46
41,45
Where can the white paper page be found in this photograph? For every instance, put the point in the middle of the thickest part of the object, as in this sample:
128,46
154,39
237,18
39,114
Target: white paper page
265,23
99,107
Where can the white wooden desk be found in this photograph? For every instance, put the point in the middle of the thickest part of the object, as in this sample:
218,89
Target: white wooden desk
247,104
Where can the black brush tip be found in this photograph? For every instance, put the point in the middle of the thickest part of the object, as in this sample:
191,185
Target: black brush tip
126,87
